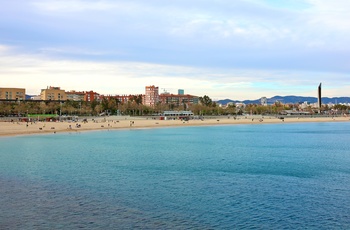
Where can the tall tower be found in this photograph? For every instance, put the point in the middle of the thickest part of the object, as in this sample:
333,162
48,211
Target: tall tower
151,96
319,97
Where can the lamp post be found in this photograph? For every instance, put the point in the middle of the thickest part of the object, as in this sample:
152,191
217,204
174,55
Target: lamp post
60,111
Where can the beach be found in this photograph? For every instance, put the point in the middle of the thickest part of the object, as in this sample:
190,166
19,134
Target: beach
111,123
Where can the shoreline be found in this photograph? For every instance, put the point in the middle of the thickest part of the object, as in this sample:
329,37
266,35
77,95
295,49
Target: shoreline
8,129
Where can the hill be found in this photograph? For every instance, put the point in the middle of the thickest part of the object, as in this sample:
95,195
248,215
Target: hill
290,99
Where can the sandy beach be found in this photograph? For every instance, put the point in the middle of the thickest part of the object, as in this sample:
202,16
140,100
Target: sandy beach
113,123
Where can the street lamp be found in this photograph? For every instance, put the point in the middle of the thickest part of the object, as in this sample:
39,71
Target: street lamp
60,111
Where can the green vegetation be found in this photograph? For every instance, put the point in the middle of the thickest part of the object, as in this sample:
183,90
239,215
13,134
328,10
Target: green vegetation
134,107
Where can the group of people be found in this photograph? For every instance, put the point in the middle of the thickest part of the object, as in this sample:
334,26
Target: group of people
76,126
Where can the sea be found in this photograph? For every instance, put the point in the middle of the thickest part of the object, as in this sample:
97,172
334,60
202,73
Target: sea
258,176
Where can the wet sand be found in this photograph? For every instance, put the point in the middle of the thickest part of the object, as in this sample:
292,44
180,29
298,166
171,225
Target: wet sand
113,123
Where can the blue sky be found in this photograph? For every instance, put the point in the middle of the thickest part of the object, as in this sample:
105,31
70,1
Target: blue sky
221,48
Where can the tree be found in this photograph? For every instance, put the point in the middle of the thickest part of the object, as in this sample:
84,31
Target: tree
104,104
112,105
342,108
86,108
138,99
231,109
94,103
205,100
6,108
52,107
97,109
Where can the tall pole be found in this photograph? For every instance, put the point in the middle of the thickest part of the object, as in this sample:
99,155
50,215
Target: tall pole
60,111
319,98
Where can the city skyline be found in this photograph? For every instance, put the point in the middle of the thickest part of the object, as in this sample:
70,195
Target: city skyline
224,49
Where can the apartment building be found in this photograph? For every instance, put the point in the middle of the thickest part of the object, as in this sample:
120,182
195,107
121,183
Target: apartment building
151,96
53,94
75,96
12,94
179,99
124,98
92,96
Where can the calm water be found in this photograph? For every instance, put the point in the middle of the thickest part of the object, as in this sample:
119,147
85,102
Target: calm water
283,176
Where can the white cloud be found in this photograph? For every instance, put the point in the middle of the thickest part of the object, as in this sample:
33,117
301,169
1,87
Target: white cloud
71,51
73,5
237,49
335,12
330,15
234,24
5,49
34,72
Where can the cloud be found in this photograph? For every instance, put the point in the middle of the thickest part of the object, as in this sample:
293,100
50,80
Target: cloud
240,31
333,14
222,48
71,51
38,71
73,5
4,49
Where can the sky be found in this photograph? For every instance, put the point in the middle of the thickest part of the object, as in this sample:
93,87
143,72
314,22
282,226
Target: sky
237,49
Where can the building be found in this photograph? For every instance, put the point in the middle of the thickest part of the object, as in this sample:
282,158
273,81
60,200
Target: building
12,94
138,98
263,101
170,115
304,105
35,97
151,96
295,113
75,96
123,99
240,105
53,94
92,96
179,99
120,98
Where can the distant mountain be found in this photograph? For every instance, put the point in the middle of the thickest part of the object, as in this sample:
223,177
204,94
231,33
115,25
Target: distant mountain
290,99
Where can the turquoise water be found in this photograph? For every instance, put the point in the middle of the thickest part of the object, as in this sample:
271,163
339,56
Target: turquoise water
275,176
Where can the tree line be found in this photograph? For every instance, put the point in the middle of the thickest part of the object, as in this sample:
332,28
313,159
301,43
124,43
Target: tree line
134,107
